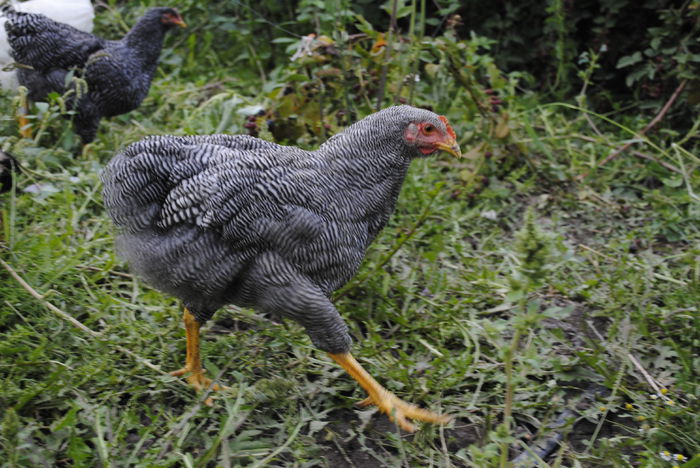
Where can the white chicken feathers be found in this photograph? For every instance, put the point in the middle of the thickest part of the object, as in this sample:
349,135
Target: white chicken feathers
77,13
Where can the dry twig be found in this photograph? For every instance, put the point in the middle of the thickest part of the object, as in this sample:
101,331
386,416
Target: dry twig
76,323
652,382
650,125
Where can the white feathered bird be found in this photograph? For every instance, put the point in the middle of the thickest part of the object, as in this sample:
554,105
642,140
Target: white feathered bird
77,13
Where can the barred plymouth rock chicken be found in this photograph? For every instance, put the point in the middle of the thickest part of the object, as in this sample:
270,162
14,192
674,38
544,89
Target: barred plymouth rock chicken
223,219
118,73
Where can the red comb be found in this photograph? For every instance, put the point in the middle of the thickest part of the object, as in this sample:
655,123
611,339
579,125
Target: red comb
449,127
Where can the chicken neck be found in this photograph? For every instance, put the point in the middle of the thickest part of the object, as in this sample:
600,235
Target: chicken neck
145,41
368,178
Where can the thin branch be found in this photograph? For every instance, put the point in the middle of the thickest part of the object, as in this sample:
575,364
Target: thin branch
649,157
652,382
589,139
67,317
111,272
637,266
650,125
46,303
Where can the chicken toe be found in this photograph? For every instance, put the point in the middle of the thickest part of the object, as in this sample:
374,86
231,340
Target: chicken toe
395,408
199,382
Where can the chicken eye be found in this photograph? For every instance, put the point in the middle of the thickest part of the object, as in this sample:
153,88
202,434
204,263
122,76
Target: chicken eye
428,129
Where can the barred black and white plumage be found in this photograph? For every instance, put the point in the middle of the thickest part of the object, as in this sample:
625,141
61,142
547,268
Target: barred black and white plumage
118,73
221,219
78,13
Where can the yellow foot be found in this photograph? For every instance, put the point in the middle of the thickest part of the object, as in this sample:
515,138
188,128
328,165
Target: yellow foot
199,382
25,128
394,407
398,410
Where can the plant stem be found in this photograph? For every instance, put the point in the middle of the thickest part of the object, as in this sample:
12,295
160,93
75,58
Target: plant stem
387,54
510,389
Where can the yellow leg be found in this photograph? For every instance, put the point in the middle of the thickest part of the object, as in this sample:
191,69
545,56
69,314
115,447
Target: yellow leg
193,361
397,409
25,128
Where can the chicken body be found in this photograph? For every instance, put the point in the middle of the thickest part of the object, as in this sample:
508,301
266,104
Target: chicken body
224,219
221,219
118,73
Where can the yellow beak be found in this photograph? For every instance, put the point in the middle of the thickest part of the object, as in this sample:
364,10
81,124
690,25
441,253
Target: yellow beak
450,147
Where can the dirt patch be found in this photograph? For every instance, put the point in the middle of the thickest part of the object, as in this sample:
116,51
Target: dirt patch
346,443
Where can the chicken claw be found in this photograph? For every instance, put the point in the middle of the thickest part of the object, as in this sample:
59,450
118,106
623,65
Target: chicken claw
395,408
398,410
199,382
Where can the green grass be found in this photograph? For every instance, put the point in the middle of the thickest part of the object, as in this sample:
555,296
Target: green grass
433,310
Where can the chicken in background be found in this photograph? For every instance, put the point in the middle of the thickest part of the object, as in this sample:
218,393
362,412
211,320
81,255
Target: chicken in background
77,13
118,73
